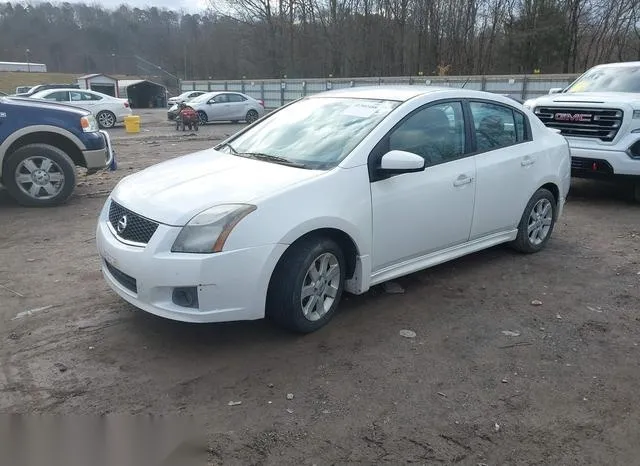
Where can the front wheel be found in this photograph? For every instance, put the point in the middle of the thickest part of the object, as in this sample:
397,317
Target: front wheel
40,175
202,117
537,222
106,119
307,285
252,116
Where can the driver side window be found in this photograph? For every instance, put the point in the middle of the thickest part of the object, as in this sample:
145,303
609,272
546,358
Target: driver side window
436,133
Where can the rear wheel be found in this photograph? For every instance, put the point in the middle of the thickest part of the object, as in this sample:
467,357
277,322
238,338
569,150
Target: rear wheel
252,116
307,285
537,222
636,192
40,175
202,117
106,119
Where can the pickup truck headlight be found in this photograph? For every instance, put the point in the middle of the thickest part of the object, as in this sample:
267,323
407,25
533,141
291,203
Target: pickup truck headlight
636,114
89,124
207,232
529,103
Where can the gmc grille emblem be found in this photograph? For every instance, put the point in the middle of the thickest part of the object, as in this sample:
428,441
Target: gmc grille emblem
578,117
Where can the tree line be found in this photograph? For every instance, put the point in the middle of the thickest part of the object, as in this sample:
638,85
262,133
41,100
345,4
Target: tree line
321,38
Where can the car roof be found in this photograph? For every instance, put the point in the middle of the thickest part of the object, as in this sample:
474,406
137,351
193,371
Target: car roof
626,64
402,93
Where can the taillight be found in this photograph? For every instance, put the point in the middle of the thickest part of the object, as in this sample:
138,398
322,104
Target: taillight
126,105
261,102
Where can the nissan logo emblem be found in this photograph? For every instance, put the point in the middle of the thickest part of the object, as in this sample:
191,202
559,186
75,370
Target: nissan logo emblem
122,224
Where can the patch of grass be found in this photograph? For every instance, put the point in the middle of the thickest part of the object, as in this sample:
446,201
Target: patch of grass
9,80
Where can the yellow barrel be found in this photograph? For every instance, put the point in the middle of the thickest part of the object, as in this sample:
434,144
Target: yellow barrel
132,124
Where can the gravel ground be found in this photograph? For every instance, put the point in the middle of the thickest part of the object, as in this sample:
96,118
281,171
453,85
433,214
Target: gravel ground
489,378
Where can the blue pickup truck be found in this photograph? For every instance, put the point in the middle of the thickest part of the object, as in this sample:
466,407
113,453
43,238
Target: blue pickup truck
41,144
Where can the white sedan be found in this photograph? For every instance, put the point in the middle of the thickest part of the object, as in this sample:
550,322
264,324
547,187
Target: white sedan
226,106
108,110
335,192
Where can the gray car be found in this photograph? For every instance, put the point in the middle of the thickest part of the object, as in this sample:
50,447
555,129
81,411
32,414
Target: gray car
227,106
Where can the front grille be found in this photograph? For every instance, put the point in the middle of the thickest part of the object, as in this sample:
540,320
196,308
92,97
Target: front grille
131,226
125,280
595,166
599,123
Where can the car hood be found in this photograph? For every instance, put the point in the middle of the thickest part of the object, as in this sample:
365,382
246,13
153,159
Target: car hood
600,98
173,192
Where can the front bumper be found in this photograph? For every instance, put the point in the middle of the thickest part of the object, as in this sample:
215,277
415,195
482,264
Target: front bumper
608,161
100,158
230,285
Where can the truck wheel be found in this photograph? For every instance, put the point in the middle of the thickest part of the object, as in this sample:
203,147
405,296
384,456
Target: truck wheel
39,175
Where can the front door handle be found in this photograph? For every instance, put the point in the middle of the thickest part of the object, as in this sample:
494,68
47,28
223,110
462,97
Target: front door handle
462,180
527,161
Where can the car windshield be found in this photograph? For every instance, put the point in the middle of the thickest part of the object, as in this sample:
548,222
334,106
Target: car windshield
608,79
313,132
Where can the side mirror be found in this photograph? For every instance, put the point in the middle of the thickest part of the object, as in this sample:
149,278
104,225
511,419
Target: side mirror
555,90
211,102
396,162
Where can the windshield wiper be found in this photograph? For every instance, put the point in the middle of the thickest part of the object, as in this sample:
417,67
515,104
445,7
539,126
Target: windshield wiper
270,158
265,157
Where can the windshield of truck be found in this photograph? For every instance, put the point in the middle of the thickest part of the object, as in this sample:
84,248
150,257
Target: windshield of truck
608,79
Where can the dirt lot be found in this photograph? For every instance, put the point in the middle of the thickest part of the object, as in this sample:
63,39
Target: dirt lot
565,391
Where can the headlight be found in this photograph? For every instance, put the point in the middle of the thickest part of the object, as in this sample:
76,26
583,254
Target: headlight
89,124
207,232
636,114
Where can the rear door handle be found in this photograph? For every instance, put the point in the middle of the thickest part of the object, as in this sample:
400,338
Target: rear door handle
462,180
527,161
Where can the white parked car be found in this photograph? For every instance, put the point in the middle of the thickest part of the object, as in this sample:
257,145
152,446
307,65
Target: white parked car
184,97
227,106
335,192
599,114
108,110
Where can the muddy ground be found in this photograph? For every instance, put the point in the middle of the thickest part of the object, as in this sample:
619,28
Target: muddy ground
565,391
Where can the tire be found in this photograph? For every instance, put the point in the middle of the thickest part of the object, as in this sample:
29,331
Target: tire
27,162
251,117
537,222
202,116
106,119
285,302
235,122
636,192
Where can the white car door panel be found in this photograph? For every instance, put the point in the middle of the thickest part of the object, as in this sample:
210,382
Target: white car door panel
415,214
506,168
418,213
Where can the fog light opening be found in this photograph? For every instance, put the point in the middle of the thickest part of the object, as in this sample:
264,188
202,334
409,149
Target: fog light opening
186,296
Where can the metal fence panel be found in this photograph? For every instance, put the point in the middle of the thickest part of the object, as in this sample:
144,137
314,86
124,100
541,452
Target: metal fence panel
277,92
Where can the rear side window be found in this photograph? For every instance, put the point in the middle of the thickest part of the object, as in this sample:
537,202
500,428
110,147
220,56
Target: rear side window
236,98
521,127
494,125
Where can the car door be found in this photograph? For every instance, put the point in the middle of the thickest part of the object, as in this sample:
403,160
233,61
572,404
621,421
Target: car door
506,162
216,107
239,106
415,214
79,99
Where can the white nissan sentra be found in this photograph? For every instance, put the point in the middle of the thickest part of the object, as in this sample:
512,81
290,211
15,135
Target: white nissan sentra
335,192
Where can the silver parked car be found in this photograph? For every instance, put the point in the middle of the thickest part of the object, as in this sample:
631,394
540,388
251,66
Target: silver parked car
227,106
